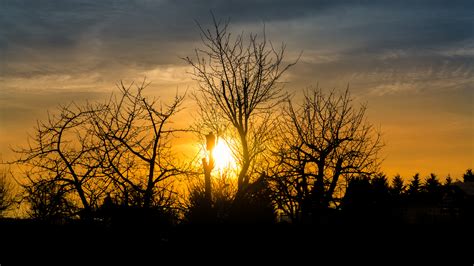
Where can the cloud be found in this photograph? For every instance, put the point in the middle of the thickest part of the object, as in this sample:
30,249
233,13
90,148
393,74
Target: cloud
169,74
85,35
392,53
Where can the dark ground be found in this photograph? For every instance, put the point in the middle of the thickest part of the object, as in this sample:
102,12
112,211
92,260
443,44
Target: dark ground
26,241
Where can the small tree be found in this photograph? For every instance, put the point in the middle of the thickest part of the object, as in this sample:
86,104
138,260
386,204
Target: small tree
432,184
358,201
49,201
6,192
381,189
448,182
197,208
323,143
468,176
414,187
398,187
433,189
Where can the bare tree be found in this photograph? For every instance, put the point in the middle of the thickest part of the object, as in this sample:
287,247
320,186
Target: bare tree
6,192
85,152
49,201
135,134
324,141
238,85
65,152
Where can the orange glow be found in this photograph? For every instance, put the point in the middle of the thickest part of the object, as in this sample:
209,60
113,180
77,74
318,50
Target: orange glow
223,157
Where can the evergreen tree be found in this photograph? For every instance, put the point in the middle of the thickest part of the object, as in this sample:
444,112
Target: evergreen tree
358,201
468,176
432,188
448,182
432,184
397,188
415,185
380,188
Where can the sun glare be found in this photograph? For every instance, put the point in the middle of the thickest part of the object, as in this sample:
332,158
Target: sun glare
223,157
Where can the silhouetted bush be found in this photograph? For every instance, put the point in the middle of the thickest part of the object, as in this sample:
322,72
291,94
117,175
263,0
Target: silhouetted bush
48,202
468,176
363,199
199,210
255,206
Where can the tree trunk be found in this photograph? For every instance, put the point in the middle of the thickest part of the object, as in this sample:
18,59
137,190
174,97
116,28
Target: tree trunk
148,194
207,179
318,189
85,203
242,181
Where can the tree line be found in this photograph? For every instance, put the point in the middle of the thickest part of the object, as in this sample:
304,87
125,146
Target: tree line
306,161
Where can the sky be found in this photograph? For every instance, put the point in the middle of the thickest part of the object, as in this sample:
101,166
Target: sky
412,62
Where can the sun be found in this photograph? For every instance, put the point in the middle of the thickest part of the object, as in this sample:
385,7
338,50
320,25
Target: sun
223,157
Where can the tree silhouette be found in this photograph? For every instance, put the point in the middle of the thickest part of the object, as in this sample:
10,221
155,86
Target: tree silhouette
467,195
64,151
358,201
121,148
448,182
238,85
432,183
197,209
49,201
414,187
433,189
381,190
6,192
135,134
256,206
323,142
398,186
468,176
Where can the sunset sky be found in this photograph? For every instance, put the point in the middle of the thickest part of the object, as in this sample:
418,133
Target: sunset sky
412,62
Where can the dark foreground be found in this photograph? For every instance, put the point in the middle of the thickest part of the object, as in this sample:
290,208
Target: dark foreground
26,241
